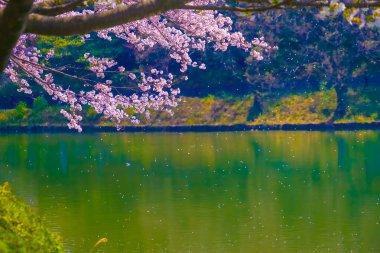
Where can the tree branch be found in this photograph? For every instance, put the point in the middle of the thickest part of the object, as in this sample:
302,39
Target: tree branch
361,5
55,10
236,8
82,24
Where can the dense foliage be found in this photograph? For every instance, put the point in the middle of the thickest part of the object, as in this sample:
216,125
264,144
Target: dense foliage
313,55
21,230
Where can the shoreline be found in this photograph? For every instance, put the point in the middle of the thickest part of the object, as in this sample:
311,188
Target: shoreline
197,128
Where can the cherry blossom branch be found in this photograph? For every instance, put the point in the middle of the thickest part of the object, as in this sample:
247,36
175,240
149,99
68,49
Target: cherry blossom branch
281,5
156,92
52,9
55,70
82,24
32,75
51,69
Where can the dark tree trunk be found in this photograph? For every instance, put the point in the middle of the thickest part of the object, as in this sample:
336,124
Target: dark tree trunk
257,106
12,24
342,104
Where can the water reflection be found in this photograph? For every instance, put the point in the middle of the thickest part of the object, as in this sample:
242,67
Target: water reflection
202,192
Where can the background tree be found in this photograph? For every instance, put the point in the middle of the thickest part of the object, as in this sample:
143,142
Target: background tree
313,51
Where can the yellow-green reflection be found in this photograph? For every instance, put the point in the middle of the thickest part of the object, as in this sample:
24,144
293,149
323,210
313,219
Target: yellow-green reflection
202,192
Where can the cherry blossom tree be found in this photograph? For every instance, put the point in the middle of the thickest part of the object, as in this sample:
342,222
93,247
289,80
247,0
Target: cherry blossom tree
179,26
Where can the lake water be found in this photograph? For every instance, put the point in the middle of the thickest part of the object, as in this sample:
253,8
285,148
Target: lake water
202,192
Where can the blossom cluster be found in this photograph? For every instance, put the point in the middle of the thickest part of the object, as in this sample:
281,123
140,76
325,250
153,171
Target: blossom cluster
155,90
182,31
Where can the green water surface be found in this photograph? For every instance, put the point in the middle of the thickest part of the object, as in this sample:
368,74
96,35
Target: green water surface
202,192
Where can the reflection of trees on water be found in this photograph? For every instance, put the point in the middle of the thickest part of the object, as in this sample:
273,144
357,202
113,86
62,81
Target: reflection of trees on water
248,191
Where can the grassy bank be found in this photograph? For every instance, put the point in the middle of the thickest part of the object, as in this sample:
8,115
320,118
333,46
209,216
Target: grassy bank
305,108
21,230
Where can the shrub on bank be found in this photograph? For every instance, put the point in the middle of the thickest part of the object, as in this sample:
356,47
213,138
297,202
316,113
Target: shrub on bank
20,228
21,112
39,105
